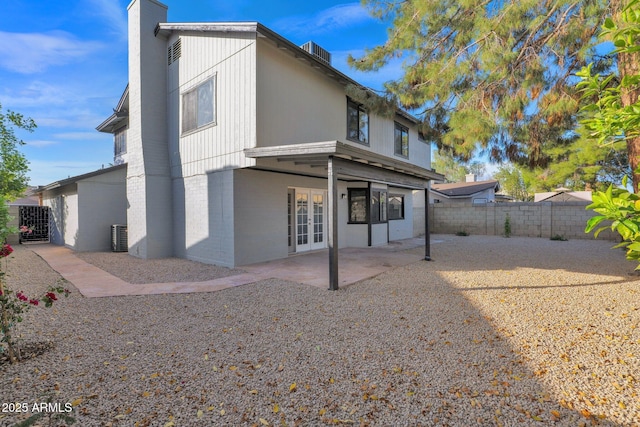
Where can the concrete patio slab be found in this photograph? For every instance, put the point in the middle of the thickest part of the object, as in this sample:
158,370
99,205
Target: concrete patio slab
355,264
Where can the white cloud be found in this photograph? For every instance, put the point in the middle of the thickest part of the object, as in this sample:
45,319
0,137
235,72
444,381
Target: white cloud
30,53
40,143
114,14
332,19
80,136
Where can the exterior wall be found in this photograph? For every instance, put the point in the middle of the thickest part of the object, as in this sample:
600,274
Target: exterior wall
260,204
204,218
64,214
526,219
231,59
403,228
298,104
418,213
82,213
102,202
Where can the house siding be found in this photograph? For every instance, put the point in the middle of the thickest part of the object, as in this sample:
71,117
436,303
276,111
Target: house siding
297,104
231,59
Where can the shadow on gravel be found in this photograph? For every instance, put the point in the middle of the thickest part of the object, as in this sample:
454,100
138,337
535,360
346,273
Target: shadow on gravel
408,347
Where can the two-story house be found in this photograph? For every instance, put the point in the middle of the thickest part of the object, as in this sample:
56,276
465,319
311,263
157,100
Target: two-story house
242,147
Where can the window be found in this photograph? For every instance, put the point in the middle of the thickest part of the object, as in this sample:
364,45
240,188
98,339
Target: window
198,106
396,206
358,206
378,206
401,140
120,142
357,123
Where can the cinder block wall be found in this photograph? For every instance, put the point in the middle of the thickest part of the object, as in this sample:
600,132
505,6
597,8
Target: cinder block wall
546,219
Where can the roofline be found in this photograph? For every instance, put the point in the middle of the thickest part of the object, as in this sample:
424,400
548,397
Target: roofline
62,183
462,196
117,114
281,42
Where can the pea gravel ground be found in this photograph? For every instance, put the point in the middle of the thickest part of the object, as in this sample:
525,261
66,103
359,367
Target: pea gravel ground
494,331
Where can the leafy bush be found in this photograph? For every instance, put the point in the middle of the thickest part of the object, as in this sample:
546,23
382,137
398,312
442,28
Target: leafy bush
622,208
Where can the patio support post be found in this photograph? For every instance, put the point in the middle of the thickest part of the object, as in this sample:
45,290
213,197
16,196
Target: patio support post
332,184
427,232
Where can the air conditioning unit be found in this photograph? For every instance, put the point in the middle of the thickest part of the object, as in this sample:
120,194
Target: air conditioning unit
315,50
119,241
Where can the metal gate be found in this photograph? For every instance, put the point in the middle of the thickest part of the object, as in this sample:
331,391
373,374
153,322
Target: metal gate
36,219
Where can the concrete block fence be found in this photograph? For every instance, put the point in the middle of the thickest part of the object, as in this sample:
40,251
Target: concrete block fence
543,219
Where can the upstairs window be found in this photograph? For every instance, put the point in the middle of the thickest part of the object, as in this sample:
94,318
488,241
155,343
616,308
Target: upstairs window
401,140
120,142
198,106
357,123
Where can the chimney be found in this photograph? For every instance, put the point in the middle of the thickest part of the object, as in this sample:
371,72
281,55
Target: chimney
149,187
471,177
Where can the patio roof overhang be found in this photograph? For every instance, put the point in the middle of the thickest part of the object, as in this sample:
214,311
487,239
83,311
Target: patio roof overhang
348,161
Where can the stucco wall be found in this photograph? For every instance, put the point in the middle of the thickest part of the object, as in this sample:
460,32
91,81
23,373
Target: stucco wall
527,219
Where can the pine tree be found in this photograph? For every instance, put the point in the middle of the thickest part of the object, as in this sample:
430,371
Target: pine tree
498,76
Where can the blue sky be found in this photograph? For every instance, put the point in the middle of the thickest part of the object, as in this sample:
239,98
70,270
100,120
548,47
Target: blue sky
65,64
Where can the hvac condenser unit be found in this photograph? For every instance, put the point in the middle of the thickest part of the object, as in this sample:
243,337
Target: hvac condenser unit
119,238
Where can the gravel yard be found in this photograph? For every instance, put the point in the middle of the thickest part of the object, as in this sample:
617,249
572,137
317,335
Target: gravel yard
494,331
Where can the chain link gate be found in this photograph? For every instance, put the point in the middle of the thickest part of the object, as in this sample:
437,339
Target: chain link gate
36,218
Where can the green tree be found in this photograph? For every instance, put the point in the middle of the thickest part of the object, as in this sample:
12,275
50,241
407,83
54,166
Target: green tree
583,164
446,164
613,115
496,75
513,182
13,164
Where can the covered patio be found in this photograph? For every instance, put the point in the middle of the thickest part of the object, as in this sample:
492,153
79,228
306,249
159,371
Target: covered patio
337,160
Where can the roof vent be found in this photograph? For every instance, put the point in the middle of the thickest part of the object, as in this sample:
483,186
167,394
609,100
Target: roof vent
315,50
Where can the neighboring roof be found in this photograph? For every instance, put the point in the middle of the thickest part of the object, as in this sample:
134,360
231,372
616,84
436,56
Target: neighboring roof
75,179
563,196
464,189
26,201
119,116
164,29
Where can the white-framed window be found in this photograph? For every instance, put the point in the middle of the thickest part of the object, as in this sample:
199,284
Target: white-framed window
199,106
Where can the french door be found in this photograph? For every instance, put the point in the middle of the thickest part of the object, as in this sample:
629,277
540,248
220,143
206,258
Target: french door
307,219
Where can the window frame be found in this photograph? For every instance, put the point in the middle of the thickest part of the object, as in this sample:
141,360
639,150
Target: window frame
378,213
353,105
120,147
400,149
184,99
361,192
402,206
